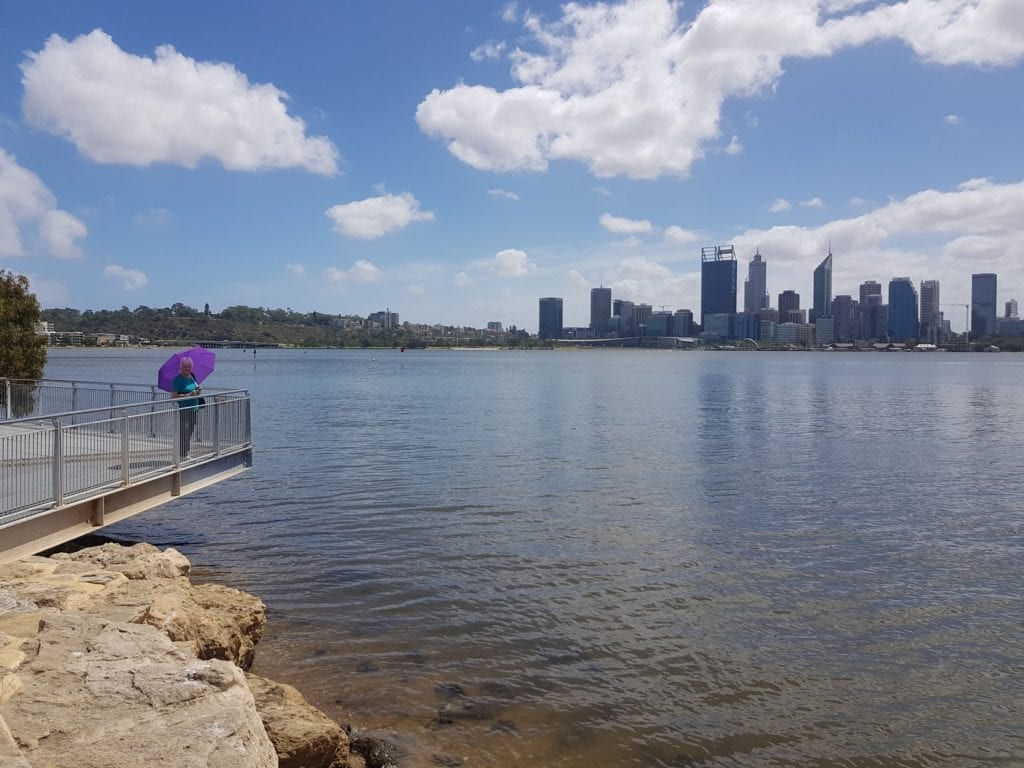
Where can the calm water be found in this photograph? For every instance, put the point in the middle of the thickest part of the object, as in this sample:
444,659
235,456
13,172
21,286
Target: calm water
626,557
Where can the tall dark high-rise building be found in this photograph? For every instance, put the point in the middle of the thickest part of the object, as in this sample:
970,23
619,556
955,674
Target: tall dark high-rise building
755,287
983,305
550,324
683,323
789,302
844,311
821,305
717,281
903,323
600,310
931,312
870,288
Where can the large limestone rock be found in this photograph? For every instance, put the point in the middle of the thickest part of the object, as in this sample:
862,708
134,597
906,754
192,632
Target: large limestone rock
106,695
303,736
111,658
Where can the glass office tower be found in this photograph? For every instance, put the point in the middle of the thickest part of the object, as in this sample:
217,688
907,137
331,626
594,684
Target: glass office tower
550,325
903,324
983,305
717,281
600,310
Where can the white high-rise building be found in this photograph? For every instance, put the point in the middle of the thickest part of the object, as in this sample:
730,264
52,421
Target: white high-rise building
755,287
931,313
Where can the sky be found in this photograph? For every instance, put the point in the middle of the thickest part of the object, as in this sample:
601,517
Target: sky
456,161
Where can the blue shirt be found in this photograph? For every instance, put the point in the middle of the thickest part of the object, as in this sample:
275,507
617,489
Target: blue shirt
185,386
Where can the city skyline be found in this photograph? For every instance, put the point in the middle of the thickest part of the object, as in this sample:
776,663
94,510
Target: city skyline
459,164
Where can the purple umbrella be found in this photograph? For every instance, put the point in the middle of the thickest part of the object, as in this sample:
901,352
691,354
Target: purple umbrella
202,366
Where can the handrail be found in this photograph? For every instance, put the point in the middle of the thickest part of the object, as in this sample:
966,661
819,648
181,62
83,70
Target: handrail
163,403
126,385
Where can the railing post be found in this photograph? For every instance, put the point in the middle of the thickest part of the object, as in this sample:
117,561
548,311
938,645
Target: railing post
74,395
7,398
176,435
217,403
125,466
58,463
111,416
152,411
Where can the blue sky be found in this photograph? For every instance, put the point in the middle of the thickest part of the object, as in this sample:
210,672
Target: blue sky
456,161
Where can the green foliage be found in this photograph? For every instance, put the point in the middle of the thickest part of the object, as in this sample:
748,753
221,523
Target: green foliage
22,351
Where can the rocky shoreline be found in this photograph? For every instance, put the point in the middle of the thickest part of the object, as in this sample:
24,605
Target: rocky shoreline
111,657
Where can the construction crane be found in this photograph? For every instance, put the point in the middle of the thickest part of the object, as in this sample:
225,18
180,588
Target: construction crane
967,317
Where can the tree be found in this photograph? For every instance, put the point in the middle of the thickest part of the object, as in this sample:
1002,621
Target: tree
22,350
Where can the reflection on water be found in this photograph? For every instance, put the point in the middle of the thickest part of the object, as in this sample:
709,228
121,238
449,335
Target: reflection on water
630,558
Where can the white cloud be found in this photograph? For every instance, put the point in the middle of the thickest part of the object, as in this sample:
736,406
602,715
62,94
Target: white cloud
779,204
295,269
377,216
577,281
504,194
928,235
814,202
489,50
361,272
29,208
620,226
120,108
676,234
462,280
510,12
735,147
953,120
129,279
858,202
585,92
512,263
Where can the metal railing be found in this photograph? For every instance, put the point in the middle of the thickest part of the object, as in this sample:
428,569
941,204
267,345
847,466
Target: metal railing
53,455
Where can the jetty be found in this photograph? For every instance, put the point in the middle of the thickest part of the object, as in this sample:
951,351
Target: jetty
78,456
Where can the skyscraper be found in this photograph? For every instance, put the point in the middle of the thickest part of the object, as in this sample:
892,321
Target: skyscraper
870,288
983,305
822,300
844,310
550,325
789,307
600,310
1011,310
717,281
755,287
903,323
931,312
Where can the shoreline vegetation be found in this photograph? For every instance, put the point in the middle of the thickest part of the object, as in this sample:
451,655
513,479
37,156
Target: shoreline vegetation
110,655
248,327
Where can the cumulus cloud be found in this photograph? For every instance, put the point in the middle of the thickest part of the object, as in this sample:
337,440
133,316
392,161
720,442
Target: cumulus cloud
630,90
577,281
779,204
943,235
295,269
116,107
129,279
489,50
462,280
28,209
361,272
735,147
504,194
620,226
953,120
814,202
676,234
377,216
512,263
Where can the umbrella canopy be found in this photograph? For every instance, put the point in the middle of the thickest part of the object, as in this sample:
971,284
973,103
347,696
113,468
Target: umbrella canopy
202,366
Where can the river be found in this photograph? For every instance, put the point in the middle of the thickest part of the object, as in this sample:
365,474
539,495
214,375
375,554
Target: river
628,557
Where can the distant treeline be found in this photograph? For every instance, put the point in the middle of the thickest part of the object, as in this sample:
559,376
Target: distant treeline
262,325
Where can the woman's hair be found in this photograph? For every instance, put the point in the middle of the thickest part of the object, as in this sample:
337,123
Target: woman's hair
185,360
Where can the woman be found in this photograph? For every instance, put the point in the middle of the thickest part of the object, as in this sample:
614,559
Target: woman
186,390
